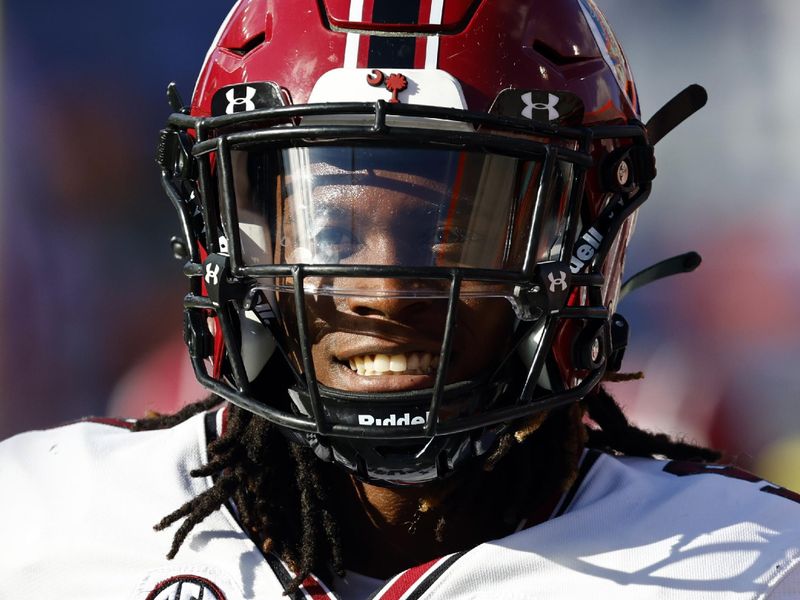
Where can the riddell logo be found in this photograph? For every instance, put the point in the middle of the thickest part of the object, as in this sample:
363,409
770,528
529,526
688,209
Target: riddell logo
392,420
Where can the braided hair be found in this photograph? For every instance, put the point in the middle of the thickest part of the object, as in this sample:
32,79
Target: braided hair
275,485
283,498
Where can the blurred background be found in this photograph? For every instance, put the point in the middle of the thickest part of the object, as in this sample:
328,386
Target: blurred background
90,295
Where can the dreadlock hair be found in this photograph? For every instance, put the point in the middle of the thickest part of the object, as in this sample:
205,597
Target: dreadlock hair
275,486
283,499
617,435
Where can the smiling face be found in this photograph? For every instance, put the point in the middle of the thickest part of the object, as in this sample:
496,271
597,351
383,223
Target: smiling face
393,207
385,335
378,345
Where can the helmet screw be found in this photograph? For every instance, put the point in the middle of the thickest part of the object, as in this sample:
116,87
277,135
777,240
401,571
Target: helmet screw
623,173
179,248
595,350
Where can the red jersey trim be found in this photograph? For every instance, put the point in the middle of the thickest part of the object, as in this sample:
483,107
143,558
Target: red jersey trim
414,582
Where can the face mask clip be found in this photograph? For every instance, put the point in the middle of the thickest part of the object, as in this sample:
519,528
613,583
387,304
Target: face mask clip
220,285
547,294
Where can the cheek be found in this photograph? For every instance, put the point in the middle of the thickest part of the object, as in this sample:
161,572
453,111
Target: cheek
486,327
326,371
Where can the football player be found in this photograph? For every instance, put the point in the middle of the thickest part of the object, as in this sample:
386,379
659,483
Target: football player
404,226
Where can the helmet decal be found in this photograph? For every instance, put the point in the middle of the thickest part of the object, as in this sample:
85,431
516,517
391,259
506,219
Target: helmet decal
395,83
561,108
431,87
611,50
244,97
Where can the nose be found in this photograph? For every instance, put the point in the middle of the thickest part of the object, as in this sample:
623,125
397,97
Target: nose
395,299
389,297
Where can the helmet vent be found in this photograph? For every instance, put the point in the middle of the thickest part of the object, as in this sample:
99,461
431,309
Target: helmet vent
250,45
555,57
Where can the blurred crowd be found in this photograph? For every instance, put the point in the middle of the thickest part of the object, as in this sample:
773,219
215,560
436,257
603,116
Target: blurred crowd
91,296
719,347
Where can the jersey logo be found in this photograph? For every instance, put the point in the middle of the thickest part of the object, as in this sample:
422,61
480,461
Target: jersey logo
186,587
395,82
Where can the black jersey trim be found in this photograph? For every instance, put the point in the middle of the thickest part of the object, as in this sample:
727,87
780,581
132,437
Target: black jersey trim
283,575
782,492
589,459
428,581
401,586
211,426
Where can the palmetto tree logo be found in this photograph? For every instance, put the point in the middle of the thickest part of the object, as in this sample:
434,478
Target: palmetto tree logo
395,82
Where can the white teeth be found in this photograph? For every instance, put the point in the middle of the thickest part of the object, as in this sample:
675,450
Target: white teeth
412,363
381,364
397,363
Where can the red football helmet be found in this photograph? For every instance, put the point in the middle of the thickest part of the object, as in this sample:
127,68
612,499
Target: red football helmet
442,189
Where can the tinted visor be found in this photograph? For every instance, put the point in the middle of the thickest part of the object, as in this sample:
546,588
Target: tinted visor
406,207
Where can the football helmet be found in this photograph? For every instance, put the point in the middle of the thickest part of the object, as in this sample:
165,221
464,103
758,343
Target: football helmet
410,216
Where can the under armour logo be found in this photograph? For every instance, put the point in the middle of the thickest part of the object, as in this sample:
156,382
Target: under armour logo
212,273
560,281
549,106
395,83
246,100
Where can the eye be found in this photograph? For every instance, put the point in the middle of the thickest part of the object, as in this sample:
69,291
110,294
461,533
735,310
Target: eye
333,244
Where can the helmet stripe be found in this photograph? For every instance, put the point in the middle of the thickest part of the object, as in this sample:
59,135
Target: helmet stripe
353,39
432,49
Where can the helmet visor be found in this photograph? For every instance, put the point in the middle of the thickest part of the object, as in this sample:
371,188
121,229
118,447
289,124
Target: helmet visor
399,207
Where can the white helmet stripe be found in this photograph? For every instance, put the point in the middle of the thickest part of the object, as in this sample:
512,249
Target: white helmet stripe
432,45
353,39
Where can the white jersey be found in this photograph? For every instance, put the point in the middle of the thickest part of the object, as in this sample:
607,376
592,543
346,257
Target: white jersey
79,504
